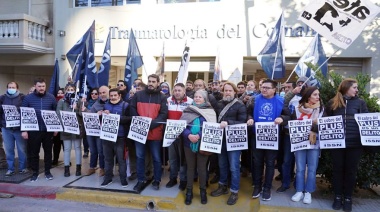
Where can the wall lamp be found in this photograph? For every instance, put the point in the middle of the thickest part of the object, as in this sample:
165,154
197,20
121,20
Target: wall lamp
61,33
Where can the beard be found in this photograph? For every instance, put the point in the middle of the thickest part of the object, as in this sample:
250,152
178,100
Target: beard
228,98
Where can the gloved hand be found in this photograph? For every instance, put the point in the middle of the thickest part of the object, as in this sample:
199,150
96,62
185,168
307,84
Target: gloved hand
312,137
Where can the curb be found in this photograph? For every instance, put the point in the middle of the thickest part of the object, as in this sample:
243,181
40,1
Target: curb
46,192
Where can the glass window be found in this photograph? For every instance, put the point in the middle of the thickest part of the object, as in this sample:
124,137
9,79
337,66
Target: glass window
186,1
102,3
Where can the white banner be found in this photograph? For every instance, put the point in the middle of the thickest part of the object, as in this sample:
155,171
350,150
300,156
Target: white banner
29,120
91,123
139,128
70,122
212,136
369,127
341,22
299,131
266,135
331,132
12,116
173,129
110,127
236,137
51,121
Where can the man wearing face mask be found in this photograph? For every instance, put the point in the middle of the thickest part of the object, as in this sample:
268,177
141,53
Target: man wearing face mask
12,135
40,100
165,89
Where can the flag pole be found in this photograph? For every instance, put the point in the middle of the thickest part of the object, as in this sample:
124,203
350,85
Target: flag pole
319,68
278,43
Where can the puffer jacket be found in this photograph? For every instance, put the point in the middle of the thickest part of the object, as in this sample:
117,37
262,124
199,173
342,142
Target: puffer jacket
353,105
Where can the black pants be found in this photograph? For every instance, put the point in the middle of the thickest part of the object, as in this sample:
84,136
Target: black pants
110,150
196,161
57,144
345,166
35,139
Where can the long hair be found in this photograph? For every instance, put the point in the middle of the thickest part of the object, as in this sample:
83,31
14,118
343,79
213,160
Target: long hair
344,86
306,95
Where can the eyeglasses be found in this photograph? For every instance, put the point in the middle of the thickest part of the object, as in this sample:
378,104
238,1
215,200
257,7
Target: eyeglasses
120,84
266,88
94,93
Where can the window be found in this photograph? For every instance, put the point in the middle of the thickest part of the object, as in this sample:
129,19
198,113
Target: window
102,3
184,1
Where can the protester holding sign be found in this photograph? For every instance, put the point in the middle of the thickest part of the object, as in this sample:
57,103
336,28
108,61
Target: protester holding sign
69,103
150,103
195,114
345,161
40,100
310,108
265,107
9,106
231,111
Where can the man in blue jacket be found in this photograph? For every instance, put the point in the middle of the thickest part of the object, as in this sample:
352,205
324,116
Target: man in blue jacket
40,100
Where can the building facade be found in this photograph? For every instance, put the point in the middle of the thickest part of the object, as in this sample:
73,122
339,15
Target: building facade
236,30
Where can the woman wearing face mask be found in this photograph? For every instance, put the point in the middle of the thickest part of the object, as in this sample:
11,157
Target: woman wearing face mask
68,103
250,91
57,142
282,92
165,89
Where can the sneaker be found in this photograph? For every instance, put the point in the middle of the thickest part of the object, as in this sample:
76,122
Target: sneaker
139,186
256,192
9,173
90,172
215,179
171,183
182,185
101,172
124,183
297,196
133,176
222,189
307,198
267,195
282,189
232,199
48,176
24,171
34,177
347,204
85,155
337,204
156,185
106,182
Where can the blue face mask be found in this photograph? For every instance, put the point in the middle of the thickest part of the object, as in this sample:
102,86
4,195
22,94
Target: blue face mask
249,92
165,91
11,91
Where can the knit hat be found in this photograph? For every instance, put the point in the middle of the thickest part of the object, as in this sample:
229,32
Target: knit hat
303,79
204,94
164,84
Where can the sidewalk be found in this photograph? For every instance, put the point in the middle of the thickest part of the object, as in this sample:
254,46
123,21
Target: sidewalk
87,189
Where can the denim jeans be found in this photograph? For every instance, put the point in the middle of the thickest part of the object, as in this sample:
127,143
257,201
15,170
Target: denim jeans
11,137
155,150
112,149
229,160
175,154
261,156
68,144
309,157
96,150
288,162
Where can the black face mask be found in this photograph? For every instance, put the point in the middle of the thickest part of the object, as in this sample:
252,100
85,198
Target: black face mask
69,96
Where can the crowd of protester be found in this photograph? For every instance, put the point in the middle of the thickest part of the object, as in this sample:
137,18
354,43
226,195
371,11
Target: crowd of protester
195,102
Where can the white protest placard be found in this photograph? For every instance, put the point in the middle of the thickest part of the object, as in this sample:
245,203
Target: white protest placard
341,22
12,116
236,137
212,136
369,127
139,128
266,135
173,129
91,123
110,127
299,131
51,121
70,122
331,132
29,120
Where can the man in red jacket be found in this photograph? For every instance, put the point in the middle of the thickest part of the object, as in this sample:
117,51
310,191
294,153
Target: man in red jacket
150,103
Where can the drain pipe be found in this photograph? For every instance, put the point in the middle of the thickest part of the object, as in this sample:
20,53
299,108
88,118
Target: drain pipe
151,205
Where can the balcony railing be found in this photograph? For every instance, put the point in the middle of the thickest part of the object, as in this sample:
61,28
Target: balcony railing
21,33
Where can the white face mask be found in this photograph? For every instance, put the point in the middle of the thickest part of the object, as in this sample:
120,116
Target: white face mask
282,93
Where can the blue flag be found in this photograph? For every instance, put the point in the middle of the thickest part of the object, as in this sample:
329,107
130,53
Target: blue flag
91,72
271,58
54,82
316,55
105,66
133,62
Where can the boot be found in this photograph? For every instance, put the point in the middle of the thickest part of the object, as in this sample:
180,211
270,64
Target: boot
189,196
67,171
78,171
203,196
